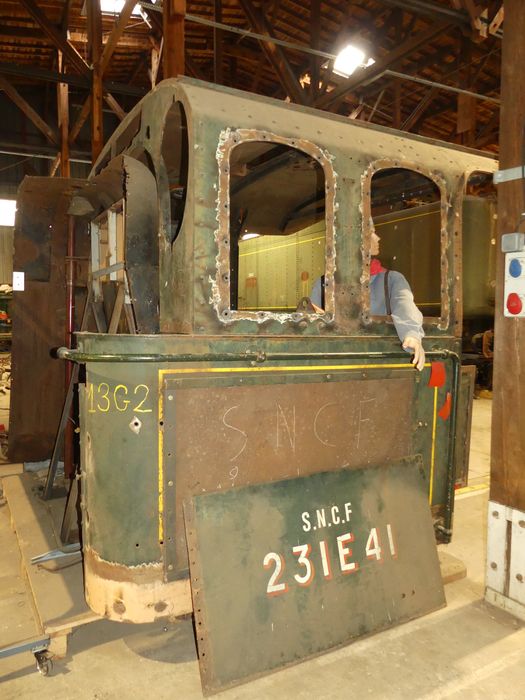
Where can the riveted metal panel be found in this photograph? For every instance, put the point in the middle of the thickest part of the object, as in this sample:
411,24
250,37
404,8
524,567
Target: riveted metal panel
284,571
252,432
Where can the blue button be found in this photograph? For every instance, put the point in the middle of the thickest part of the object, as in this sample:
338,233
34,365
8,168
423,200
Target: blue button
515,268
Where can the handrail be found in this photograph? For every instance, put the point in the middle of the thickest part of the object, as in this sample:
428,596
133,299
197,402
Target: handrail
249,356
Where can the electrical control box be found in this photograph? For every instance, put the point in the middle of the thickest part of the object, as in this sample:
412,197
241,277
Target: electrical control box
514,299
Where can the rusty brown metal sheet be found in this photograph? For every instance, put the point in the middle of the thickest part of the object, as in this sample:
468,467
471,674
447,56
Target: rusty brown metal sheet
39,314
252,433
464,424
287,570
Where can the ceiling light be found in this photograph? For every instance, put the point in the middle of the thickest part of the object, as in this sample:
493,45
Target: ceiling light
349,59
114,7
247,236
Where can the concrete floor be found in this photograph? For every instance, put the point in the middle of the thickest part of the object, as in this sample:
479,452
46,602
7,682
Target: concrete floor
467,650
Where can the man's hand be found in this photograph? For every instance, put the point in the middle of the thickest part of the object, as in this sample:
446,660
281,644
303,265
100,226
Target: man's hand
419,354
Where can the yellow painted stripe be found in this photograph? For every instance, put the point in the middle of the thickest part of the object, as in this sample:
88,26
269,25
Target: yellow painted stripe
433,452
406,218
266,308
294,308
471,489
282,245
161,464
301,368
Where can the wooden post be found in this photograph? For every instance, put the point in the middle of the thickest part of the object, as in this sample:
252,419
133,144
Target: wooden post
94,26
217,44
315,42
156,56
173,29
63,121
506,516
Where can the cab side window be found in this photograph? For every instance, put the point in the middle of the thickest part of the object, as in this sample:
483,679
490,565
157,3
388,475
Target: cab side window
406,211
277,226
174,151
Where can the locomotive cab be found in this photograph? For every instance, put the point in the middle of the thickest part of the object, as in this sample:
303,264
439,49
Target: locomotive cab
213,213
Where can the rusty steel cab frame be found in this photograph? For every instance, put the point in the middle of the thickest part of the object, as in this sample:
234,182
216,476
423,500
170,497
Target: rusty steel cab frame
204,386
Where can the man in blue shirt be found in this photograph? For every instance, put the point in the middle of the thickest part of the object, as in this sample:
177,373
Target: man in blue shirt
407,318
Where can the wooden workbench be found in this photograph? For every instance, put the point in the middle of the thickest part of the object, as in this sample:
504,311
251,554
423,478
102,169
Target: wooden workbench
43,599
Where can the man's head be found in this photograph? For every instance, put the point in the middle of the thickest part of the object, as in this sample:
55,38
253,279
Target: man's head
374,243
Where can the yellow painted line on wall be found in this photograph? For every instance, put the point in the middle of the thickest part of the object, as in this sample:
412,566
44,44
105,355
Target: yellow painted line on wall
282,245
471,490
406,218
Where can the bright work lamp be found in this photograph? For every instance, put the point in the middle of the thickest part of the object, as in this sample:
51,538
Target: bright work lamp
349,59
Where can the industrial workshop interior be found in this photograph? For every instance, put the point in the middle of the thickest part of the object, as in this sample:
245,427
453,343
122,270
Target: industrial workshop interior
262,361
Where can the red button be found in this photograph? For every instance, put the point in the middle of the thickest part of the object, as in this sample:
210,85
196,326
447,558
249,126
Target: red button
514,305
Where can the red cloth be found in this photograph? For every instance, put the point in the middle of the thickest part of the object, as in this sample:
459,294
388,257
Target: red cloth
376,267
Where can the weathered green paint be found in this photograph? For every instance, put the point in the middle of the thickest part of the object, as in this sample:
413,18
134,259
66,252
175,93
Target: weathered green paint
137,472
253,617
479,258
121,467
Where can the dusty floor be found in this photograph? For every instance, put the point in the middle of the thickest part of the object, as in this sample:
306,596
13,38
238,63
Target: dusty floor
468,650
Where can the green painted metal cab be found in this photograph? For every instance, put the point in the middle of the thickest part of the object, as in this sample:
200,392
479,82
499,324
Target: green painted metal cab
214,213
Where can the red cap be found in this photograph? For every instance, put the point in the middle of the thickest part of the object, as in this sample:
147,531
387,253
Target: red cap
514,305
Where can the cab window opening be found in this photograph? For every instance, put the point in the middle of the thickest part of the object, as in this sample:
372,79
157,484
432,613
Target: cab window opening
277,226
174,151
406,215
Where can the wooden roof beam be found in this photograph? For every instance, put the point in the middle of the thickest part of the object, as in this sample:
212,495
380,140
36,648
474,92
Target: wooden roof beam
497,20
117,31
218,42
94,27
194,70
126,41
80,120
420,109
478,18
70,78
114,106
63,121
274,53
450,106
489,132
451,15
53,168
315,42
60,42
156,56
69,51
64,22
29,112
